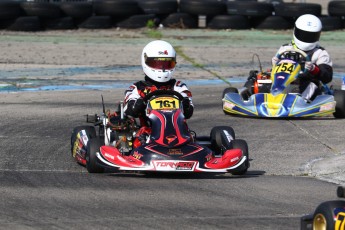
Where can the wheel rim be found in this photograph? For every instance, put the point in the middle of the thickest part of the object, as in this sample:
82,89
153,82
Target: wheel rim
319,222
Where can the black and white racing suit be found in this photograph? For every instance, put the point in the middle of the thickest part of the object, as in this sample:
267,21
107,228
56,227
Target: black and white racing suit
141,88
323,71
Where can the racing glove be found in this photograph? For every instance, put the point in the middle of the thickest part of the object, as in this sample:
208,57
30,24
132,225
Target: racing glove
135,108
310,67
139,106
188,108
275,60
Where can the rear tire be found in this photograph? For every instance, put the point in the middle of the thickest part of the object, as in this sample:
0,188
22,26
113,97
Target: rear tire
339,97
93,146
241,144
219,140
90,131
229,90
323,215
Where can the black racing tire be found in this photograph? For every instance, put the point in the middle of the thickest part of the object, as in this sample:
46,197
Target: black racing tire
294,10
118,8
237,22
4,24
64,23
331,23
275,23
245,8
10,10
323,218
96,22
336,8
27,23
219,140
93,146
41,9
180,20
158,7
339,97
229,90
203,7
90,131
78,10
137,21
341,192
241,144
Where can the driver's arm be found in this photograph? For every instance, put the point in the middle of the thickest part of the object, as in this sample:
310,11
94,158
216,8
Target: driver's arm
188,107
323,62
133,105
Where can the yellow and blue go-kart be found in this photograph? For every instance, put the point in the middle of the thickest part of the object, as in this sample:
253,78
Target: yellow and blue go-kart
329,215
275,94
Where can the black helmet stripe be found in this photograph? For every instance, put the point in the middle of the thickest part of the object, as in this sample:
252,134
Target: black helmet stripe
306,36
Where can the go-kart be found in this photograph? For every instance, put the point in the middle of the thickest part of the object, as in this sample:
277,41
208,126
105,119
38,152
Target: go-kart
167,145
274,94
329,215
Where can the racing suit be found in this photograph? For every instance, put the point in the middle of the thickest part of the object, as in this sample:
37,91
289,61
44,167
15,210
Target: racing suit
309,82
134,105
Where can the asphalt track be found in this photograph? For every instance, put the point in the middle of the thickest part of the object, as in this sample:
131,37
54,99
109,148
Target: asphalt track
43,188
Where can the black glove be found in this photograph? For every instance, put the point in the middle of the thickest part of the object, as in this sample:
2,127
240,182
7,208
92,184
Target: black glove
187,108
306,76
139,106
253,75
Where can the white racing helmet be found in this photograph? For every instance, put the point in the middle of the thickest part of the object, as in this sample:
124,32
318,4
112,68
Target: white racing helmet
158,60
307,32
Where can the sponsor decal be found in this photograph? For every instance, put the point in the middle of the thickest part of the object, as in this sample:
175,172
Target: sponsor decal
146,91
327,107
281,77
109,156
234,159
171,138
137,155
84,137
174,165
228,136
208,157
165,52
175,152
228,105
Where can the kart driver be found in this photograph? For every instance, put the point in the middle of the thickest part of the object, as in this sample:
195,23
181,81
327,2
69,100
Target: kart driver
306,35
158,60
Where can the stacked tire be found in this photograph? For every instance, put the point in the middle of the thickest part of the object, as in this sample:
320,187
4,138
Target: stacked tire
132,14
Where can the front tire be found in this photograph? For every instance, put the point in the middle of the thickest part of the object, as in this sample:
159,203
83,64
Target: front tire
241,144
221,138
229,90
93,146
323,217
339,97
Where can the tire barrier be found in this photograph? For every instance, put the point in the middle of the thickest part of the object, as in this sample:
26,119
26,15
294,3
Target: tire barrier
41,15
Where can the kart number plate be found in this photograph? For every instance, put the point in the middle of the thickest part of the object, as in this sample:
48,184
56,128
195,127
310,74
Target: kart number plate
340,223
284,67
165,103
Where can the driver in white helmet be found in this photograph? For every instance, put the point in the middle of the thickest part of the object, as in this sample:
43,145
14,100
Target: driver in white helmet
306,37
158,60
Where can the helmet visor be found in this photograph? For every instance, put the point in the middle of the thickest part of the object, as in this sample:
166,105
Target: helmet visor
165,63
306,36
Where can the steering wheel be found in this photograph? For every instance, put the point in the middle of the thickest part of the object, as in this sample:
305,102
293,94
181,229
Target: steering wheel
163,92
294,54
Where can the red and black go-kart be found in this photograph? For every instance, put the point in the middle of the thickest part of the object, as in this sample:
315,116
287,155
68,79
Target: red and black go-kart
170,146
